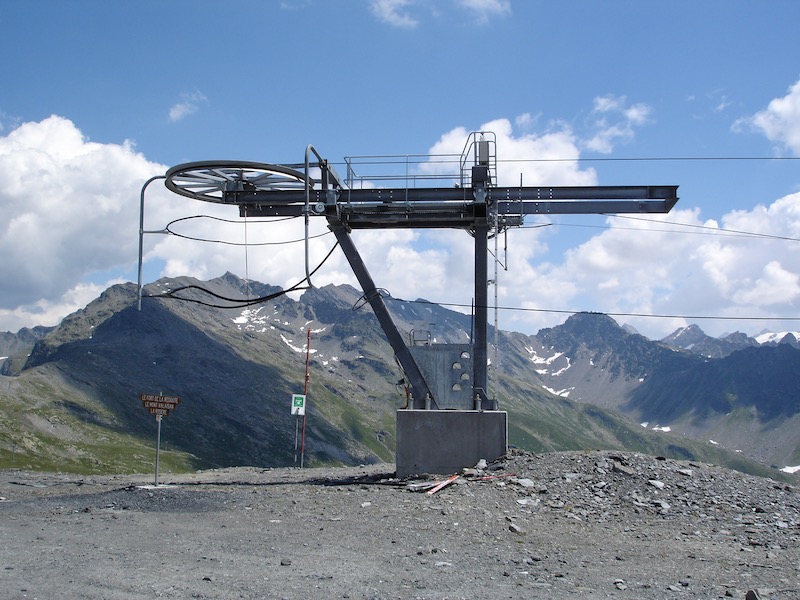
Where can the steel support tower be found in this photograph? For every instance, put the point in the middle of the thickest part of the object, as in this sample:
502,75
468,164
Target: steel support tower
474,204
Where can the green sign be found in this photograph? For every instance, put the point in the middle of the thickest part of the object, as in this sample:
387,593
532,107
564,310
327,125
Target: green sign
299,404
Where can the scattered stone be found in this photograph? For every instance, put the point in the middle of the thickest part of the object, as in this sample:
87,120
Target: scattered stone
585,513
533,558
528,501
620,468
663,504
524,482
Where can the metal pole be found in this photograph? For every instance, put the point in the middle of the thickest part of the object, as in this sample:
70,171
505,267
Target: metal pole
296,433
158,447
419,388
306,205
479,366
303,442
305,393
141,234
496,353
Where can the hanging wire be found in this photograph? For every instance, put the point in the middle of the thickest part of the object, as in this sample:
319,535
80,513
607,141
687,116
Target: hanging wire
236,302
368,296
710,230
197,239
611,314
246,257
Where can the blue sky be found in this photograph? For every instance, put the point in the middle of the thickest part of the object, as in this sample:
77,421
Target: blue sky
99,96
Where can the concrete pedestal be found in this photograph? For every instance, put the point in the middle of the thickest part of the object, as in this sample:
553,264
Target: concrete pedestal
446,441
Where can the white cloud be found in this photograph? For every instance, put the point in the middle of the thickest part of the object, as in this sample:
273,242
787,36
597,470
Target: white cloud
189,103
485,9
615,121
524,121
647,268
275,254
549,158
71,216
776,285
393,12
644,266
398,13
50,312
70,210
7,122
780,121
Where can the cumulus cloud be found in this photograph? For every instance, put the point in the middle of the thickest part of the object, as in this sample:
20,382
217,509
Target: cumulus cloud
548,158
71,224
779,122
653,266
675,264
50,312
615,121
189,103
70,210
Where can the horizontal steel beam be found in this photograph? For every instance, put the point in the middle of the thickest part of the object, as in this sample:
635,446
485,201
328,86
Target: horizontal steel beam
603,192
583,207
451,207
624,192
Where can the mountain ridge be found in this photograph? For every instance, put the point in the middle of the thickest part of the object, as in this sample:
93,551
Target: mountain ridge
239,365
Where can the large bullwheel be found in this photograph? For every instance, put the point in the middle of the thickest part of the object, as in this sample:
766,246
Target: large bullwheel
209,180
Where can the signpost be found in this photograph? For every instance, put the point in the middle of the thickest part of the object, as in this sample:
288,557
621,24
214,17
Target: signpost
299,404
160,406
299,407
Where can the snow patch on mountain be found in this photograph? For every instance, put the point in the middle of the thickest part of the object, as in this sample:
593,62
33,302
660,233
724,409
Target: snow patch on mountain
251,318
767,337
291,345
664,428
547,361
563,393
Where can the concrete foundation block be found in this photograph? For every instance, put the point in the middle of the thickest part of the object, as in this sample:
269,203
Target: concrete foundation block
446,441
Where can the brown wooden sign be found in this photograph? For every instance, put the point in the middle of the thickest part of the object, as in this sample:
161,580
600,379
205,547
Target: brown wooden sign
159,405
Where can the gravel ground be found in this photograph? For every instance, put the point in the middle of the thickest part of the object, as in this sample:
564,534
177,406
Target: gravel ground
560,525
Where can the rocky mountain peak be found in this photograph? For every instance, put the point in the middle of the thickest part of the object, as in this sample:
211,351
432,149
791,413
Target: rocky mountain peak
231,359
685,337
596,332
695,340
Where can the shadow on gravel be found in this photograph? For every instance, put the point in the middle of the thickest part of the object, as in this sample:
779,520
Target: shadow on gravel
188,496
366,479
